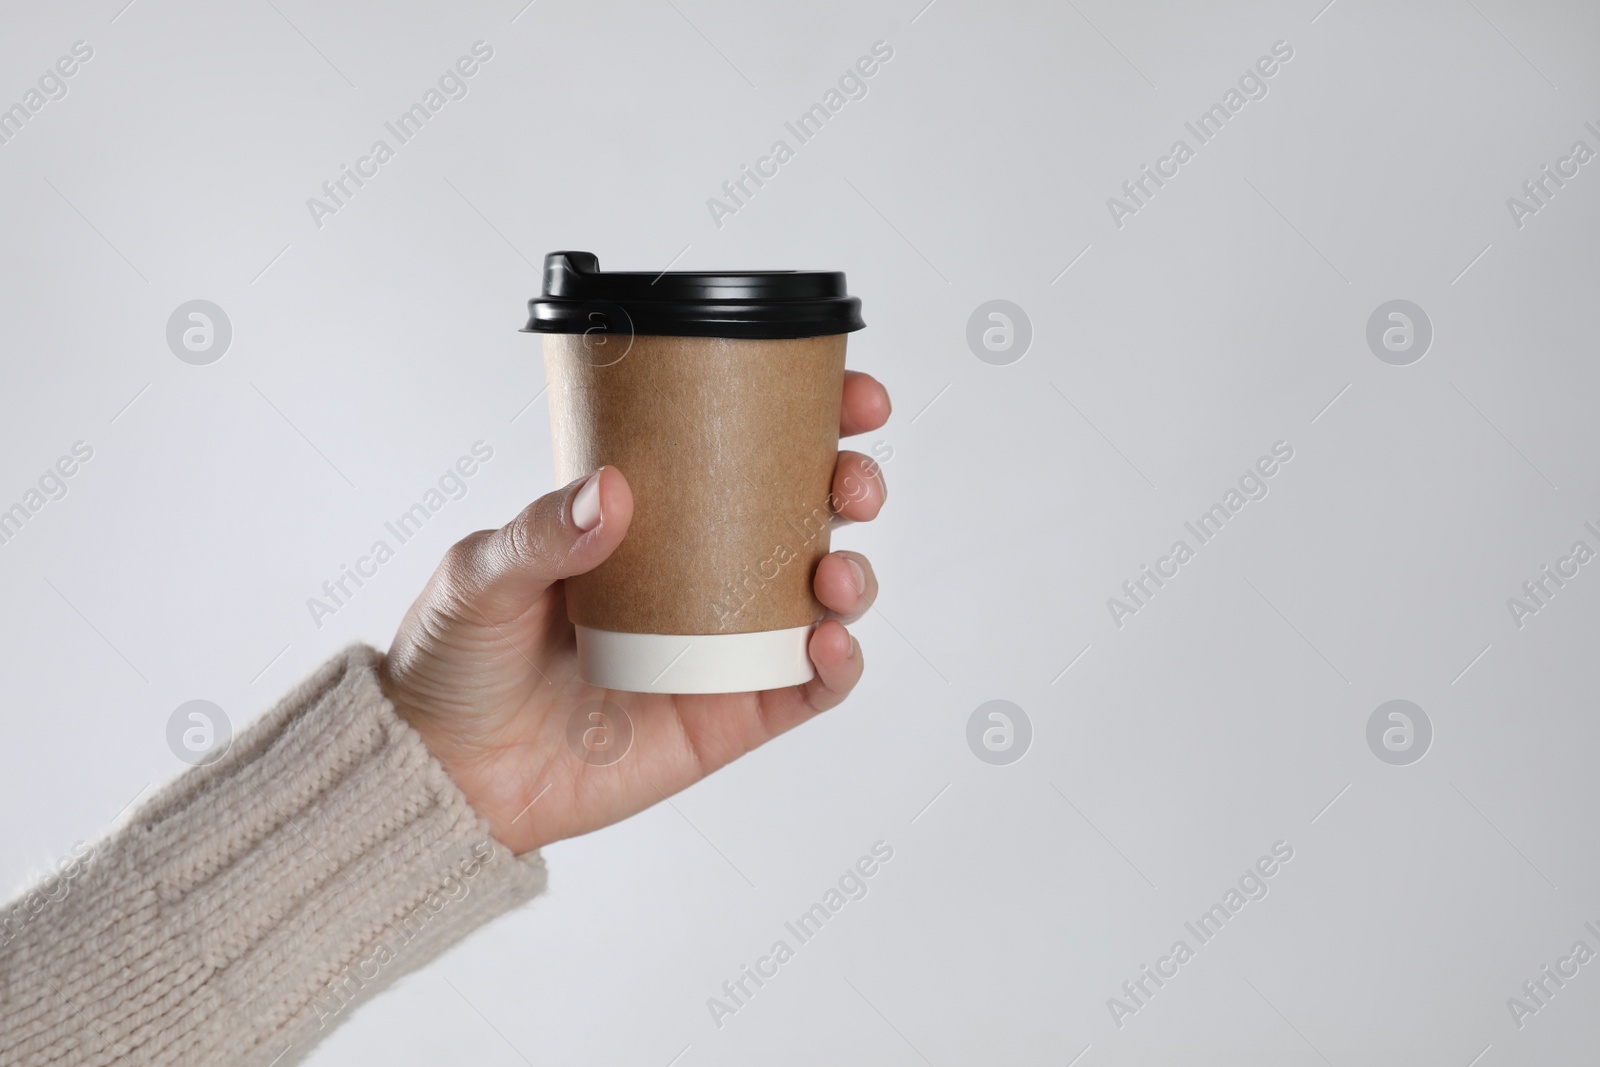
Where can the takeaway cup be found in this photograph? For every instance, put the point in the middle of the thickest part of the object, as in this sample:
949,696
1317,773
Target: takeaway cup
717,395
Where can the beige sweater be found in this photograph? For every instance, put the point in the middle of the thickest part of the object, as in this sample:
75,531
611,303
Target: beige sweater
241,913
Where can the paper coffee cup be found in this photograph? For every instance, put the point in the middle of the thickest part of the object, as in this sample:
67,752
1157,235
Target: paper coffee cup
717,395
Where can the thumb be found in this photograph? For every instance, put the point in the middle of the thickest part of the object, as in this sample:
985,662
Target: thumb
570,531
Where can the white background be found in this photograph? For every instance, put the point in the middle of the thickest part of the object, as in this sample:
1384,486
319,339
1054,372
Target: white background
1225,316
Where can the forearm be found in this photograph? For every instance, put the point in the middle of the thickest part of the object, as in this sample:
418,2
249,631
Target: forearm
245,909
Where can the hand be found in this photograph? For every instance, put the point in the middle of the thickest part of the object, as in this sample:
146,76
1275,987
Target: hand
485,664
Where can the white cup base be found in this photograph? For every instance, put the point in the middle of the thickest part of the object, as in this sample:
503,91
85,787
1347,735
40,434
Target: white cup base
695,663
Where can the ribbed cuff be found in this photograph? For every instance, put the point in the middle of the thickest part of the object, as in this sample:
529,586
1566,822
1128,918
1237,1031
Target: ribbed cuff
247,908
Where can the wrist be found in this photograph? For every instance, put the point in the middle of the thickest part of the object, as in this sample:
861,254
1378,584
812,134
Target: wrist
513,829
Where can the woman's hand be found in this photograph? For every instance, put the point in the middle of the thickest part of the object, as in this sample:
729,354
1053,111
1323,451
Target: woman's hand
485,665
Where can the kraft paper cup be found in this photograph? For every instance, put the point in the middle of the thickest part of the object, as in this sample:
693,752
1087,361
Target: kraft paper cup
717,395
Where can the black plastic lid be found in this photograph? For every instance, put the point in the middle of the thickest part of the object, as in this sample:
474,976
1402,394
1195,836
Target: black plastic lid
580,298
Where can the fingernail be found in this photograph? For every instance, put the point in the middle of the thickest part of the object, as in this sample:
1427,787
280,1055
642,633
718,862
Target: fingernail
586,505
850,653
860,576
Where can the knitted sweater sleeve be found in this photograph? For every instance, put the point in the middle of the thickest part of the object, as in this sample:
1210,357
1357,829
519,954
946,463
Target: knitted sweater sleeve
241,913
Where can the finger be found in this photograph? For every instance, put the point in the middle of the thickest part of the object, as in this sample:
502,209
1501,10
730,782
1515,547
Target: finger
836,655
570,531
858,487
865,405
846,585
719,729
